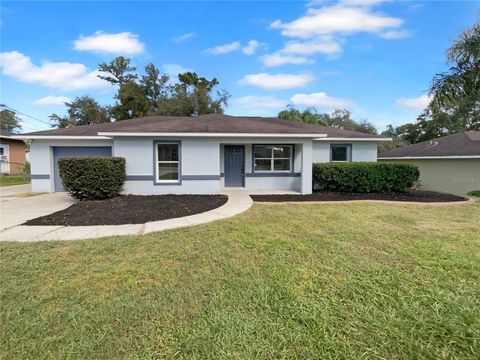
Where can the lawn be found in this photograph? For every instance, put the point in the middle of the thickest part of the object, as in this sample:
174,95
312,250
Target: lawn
9,180
306,281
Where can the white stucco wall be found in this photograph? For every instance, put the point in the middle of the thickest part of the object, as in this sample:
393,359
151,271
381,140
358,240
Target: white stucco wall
201,163
41,160
361,150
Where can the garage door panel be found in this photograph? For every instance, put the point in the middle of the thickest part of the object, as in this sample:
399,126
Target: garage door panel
70,151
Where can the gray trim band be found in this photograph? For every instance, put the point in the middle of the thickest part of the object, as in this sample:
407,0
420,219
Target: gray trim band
273,174
139,177
184,177
39,176
201,177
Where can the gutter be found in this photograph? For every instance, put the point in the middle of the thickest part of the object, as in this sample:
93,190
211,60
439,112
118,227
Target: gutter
58,137
430,157
209,135
351,139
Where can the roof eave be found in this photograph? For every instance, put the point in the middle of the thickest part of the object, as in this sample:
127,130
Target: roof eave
444,157
208,134
60,137
352,139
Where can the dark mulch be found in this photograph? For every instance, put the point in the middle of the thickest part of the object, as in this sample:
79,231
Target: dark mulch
131,209
412,195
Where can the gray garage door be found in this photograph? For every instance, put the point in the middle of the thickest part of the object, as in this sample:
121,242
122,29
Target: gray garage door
59,152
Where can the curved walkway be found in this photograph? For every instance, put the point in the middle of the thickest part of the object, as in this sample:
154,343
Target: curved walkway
238,202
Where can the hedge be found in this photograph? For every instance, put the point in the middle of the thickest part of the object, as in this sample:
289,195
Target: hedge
365,177
92,177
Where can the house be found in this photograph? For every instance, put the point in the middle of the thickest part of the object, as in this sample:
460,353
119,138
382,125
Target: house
448,164
202,154
12,154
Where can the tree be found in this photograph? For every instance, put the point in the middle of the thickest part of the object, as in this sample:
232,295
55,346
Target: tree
81,111
153,94
309,116
10,122
118,71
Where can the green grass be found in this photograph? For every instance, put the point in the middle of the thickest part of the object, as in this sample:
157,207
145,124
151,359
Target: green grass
9,180
356,281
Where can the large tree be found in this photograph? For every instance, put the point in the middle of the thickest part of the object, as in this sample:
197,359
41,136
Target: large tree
81,111
10,122
455,104
153,93
340,118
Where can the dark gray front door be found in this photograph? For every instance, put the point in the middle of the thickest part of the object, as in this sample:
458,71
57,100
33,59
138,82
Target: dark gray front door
234,165
70,151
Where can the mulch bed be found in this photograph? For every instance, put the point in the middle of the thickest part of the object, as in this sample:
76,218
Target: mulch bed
131,209
412,196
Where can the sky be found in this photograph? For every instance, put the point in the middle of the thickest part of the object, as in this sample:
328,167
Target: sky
375,58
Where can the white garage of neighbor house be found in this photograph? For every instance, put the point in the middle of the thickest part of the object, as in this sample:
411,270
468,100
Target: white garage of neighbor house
201,155
448,164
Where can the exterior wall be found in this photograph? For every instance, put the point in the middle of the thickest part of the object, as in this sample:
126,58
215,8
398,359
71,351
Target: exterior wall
41,160
455,176
16,156
200,166
361,150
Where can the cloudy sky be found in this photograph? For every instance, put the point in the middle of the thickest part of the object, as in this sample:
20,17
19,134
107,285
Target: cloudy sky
375,58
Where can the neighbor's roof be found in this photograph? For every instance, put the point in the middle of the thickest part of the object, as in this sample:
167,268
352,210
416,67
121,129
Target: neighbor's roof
465,144
203,124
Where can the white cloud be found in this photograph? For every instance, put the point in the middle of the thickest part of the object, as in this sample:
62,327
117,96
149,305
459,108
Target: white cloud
51,100
320,100
276,81
183,37
251,47
120,43
223,49
259,103
325,45
395,34
341,19
174,69
418,103
279,59
60,75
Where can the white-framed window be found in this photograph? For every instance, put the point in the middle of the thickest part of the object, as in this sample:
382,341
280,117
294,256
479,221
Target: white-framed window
272,158
340,152
167,162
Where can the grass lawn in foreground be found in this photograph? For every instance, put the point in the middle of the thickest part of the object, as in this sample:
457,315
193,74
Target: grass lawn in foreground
279,281
9,180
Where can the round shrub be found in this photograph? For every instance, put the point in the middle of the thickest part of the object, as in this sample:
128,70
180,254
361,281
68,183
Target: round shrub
365,177
92,177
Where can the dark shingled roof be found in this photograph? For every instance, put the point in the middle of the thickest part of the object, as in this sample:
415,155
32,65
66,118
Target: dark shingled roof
462,144
212,123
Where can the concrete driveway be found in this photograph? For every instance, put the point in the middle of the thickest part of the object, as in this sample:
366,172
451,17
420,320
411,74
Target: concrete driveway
18,204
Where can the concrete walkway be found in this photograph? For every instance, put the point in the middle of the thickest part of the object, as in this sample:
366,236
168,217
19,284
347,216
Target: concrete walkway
238,202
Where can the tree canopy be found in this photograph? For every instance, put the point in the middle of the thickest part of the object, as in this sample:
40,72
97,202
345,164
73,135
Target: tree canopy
81,111
10,122
340,118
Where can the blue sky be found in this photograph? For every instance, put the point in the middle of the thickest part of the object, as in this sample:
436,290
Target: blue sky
375,58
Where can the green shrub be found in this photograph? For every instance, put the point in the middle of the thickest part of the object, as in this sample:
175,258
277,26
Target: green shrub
365,177
474,193
92,177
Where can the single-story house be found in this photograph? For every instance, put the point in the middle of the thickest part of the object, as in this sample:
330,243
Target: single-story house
12,154
447,164
202,154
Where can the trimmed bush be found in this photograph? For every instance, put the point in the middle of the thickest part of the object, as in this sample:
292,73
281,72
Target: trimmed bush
92,177
365,177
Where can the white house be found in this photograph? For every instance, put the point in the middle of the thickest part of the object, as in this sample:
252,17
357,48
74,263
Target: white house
203,154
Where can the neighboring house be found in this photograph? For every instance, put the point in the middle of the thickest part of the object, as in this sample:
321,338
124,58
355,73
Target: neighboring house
12,154
203,154
448,164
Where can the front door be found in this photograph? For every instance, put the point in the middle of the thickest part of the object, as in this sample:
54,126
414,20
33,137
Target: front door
234,165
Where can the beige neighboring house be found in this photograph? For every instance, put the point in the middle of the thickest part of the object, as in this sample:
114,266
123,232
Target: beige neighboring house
448,164
12,154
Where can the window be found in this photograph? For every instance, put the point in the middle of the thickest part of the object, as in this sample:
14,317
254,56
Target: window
340,153
168,163
272,158
2,150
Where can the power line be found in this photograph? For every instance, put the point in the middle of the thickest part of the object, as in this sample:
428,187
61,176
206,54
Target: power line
19,112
